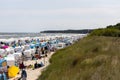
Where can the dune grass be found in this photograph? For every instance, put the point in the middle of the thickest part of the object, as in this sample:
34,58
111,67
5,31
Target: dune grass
92,58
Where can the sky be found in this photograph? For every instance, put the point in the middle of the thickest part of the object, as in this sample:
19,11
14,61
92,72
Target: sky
39,15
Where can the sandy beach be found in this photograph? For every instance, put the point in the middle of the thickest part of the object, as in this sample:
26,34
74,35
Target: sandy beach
34,74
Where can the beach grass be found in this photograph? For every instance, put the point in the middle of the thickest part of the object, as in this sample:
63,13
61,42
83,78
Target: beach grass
91,58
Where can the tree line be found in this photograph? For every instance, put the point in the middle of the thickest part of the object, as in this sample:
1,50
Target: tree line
85,31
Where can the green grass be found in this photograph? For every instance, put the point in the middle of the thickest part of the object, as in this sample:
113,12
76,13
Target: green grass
92,58
106,32
112,30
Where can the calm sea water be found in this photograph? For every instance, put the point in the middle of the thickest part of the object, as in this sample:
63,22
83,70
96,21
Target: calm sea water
19,35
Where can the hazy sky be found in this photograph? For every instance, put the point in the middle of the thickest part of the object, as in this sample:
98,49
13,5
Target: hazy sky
38,15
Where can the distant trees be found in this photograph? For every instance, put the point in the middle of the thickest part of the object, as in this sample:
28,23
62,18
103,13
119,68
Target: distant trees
85,31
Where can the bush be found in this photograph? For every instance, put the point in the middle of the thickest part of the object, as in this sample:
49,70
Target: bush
117,26
106,32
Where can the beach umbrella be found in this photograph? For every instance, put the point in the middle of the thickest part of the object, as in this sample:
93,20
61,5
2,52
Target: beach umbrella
13,71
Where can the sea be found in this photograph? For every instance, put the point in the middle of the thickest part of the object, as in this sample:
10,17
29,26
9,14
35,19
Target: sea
22,35
19,35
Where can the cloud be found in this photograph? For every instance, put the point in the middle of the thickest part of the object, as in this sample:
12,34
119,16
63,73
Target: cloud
65,11
12,0
65,18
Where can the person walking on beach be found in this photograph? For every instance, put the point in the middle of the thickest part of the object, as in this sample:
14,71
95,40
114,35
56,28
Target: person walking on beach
3,76
24,75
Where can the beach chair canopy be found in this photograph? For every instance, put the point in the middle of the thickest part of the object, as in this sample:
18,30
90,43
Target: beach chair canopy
27,47
10,59
27,53
13,71
10,50
43,44
32,46
3,63
18,49
2,51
